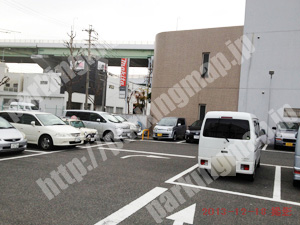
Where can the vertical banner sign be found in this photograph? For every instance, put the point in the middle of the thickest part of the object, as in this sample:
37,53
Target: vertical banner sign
123,78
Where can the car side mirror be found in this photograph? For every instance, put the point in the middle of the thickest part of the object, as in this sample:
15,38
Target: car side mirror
98,120
273,128
262,132
33,123
179,124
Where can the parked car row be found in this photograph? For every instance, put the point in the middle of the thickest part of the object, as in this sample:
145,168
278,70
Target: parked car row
17,128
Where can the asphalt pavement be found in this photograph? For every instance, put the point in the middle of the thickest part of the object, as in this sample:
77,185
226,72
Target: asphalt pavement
141,182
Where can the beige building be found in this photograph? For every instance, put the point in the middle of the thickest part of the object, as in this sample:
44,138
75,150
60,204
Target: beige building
196,71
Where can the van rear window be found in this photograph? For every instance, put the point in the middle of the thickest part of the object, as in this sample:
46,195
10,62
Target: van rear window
227,128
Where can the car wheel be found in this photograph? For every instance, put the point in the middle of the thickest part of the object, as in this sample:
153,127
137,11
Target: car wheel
296,183
187,141
154,138
250,177
20,152
174,137
109,136
46,142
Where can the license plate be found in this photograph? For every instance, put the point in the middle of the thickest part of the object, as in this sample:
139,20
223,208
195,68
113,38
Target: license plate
159,135
14,146
289,144
77,139
196,136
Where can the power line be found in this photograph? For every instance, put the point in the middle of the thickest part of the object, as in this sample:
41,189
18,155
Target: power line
26,10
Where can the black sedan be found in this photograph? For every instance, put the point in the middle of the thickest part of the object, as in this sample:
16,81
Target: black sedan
192,134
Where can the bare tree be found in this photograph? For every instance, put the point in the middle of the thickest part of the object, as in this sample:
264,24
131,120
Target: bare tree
71,74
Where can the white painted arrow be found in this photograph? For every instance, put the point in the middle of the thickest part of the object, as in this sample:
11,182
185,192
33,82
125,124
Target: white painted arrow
184,216
148,156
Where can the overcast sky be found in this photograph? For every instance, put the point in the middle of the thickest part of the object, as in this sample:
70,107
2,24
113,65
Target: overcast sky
121,20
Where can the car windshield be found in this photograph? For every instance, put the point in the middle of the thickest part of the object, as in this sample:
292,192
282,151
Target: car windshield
288,126
197,123
34,108
110,118
4,124
168,121
49,119
77,124
120,118
227,128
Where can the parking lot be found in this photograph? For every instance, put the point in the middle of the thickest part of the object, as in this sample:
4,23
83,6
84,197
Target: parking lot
142,182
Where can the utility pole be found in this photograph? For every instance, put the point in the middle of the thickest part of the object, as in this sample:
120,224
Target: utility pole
87,82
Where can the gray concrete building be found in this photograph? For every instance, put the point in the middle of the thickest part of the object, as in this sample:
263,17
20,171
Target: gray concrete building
269,85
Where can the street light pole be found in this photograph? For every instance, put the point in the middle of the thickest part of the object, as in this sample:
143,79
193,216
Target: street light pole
271,73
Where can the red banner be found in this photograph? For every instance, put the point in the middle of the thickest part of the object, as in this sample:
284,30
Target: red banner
123,76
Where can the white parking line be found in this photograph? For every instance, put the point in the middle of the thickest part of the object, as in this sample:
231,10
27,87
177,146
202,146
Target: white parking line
288,167
172,179
236,193
144,152
159,141
277,184
264,148
276,193
35,151
27,156
180,142
92,146
279,151
132,207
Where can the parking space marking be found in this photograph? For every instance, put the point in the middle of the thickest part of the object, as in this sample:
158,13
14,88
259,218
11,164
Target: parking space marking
144,152
92,146
169,142
172,179
275,198
279,151
180,142
264,148
288,167
237,193
32,155
34,151
277,184
132,207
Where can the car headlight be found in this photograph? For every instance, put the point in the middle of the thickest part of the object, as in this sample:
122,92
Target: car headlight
24,135
96,133
188,131
278,134
170,129
62,135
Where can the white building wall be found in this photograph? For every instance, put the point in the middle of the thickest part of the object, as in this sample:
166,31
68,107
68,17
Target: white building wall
273,27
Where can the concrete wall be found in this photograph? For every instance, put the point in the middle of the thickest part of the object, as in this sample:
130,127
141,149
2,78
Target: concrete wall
179,54
274,30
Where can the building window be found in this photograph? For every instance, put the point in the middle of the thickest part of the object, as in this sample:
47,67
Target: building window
205,64
7,85
291,112
15,87
119,110
202,111
42,82
109,109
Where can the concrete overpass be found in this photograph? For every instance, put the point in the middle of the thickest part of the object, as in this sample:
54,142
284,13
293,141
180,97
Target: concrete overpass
53,52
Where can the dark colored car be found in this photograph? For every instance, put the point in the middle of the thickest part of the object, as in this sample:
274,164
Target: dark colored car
192,134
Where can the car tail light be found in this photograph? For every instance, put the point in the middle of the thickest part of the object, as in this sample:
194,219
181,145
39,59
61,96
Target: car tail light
204,162
245,167
296,171
278,139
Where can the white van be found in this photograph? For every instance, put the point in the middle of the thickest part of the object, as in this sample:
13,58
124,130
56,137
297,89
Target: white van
23,106
232,138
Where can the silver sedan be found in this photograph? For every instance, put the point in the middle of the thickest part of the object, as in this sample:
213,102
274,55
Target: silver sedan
11,140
